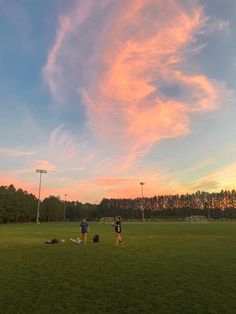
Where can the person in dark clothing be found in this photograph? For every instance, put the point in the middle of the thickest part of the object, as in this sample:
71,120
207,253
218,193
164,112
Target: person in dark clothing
117,225
84,228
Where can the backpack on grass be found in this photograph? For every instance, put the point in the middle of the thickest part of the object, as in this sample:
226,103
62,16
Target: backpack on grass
96,238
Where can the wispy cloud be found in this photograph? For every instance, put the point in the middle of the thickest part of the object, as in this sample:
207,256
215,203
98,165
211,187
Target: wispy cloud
15,152
51,70
218,26
123,64
221,178
63,144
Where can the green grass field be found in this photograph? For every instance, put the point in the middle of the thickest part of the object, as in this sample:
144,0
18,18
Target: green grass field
159,268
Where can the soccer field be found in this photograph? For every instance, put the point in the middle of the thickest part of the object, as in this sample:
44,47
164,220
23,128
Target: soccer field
159,268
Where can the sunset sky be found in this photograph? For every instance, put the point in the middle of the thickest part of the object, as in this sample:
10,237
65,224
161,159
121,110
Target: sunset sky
104,94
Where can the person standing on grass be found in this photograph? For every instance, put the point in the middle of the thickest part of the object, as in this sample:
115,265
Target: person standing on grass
117,225
84,228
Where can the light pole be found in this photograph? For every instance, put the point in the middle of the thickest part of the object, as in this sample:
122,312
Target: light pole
142,184
65,207
40,171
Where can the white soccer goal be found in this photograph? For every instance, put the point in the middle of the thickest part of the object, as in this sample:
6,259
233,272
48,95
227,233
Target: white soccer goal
107,219
197,218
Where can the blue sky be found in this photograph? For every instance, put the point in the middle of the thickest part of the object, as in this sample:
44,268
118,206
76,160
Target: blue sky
105,94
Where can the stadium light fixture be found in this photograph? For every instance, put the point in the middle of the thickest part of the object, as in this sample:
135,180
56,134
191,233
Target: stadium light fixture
40,171
142,184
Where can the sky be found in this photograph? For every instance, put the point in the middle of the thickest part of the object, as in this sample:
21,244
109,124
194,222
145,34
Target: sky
105,94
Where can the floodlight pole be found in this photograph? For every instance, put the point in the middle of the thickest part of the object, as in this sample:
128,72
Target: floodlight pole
40,171
142,184
65,207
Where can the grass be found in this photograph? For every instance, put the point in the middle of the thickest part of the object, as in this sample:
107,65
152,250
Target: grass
159,268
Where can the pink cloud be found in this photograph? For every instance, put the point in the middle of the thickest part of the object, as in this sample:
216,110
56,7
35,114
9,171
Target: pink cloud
99,187
119,64
45,165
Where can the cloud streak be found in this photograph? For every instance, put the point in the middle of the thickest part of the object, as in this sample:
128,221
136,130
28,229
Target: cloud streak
221,178
15,152
52,70
121,57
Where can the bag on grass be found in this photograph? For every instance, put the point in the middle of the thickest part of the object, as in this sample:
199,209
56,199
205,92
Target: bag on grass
96,238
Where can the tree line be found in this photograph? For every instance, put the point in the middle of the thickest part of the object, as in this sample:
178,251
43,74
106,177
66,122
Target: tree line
17,205
216,205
